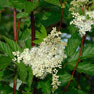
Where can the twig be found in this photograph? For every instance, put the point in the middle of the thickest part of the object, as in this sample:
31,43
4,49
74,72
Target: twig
14,23
61,16
18,29
32,28
82,43
14,27
14,85
32,39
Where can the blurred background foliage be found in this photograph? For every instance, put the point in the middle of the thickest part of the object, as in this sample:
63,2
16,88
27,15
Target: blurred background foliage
47,15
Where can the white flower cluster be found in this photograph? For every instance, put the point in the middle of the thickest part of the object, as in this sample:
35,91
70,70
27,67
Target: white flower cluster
46,58
76,4
82,22
90,14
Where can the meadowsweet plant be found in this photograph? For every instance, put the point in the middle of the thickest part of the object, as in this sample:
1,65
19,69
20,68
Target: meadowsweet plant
46,46
45,59
83,21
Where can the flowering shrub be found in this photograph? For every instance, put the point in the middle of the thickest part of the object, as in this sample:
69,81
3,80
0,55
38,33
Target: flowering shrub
50,48
45,58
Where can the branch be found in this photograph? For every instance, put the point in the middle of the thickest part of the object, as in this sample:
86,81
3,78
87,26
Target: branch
14,85
14,23
82,43
14,27
61,16
32,28
18,29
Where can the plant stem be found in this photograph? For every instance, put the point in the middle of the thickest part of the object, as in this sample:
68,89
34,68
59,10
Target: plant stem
82,43
32,28
18,29
32,39
61,19
14,85
14,23
33,44
14,27
61,16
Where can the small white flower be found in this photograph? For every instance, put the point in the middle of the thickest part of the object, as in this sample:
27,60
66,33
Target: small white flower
46,58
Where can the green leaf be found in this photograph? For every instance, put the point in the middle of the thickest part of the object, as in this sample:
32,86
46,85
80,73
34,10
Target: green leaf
17,4
38,41
4,3
83,67
25,38
27,93
42,33
30,6
12,44
75,91
22,71
64,78
22,15
73,44
5,49
54,2
45,86
1,75
5,89
4,62
48,18
30,77
87,53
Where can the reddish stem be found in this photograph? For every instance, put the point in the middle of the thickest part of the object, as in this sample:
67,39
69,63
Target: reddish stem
32,28
14,23
14,87
18,29
83,10
82,43
14,27
61,19
60,1
61,16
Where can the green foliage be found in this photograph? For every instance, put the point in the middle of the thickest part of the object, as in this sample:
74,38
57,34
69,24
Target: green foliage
4,62
6,49
45,87
25,39
22,15
1,75
75,91
47,14
22,71
42,33
64,78
73,43
54,2
13,45
83,67
29,77
87,53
